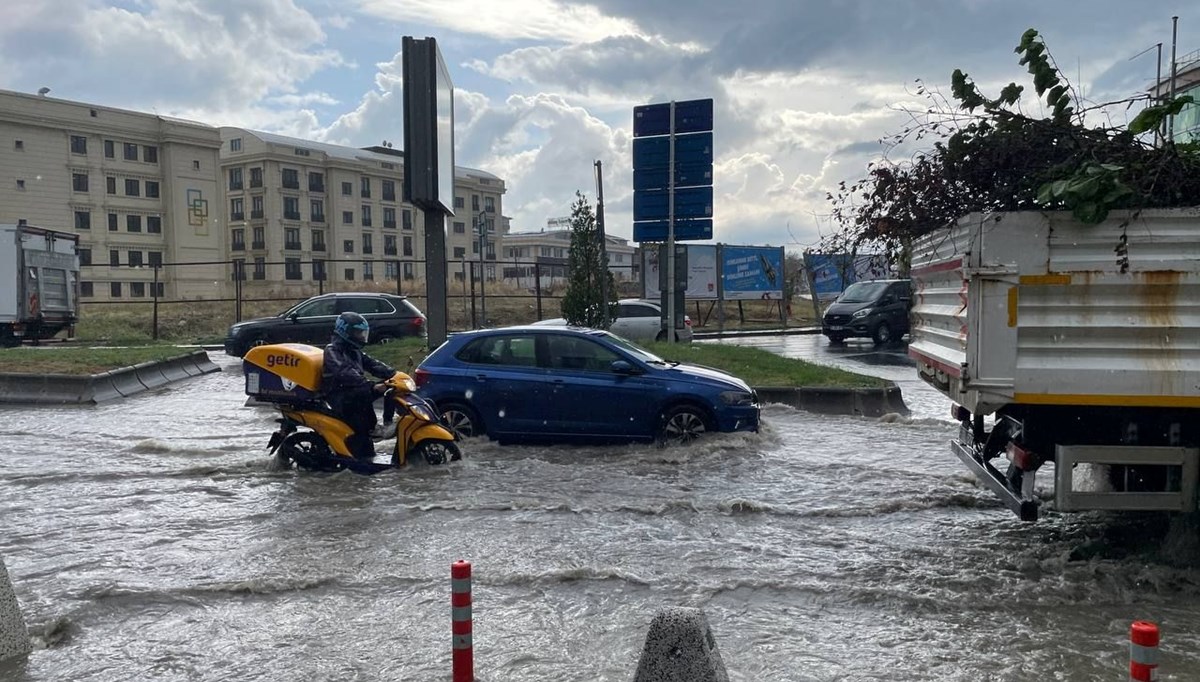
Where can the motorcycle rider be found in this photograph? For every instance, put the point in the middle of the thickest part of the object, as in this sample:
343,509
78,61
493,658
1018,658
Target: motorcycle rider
345,385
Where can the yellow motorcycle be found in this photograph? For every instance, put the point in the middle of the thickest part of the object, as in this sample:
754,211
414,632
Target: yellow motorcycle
288,375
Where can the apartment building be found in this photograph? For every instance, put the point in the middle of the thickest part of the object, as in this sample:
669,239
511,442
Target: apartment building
139,189
547,253
299,211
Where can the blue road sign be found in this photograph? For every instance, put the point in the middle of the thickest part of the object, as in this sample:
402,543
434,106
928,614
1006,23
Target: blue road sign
690,202
691,116
651,152
656,230
686,175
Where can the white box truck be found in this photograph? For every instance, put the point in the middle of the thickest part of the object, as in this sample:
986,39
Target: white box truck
39,274
1072,344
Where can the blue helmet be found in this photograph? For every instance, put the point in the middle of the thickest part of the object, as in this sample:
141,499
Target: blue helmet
353,328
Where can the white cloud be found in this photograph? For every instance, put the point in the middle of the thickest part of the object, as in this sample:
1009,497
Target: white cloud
508,20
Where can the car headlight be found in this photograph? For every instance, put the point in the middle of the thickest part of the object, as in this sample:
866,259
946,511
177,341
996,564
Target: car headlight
862,313
737,398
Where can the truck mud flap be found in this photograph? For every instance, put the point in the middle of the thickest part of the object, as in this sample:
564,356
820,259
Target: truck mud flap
1027,510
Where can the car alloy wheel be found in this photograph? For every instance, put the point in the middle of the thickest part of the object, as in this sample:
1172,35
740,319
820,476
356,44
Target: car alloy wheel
682,425
461,420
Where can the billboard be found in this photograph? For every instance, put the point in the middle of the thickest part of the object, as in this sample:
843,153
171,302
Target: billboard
752,273
702,272
428,127
833,272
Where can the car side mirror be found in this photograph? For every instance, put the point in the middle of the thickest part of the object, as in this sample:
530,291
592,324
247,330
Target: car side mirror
294,316
623,367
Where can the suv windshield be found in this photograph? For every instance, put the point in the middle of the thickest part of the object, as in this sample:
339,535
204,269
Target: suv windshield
862,292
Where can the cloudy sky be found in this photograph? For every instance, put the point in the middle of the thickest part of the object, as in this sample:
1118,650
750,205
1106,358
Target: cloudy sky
803,89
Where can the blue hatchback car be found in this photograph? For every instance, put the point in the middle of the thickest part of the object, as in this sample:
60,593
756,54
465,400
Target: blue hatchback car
568,384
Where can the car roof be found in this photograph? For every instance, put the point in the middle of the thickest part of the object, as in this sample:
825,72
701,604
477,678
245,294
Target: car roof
356,294
539,329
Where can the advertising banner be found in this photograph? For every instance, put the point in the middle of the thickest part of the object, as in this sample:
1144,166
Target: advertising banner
833,272
702,273
752,273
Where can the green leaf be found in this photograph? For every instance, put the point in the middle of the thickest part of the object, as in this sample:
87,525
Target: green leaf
1090,212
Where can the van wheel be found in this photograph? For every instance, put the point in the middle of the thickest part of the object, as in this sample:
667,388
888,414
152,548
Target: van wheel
883,334
836,339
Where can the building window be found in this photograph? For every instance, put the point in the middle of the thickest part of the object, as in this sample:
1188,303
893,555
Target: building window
112,222
366,244
137,289
150,154
131,151
291,238
347,217
114,289
132,188
348,246
155,259
474,247
196,165
235,179
259,241
475,202
79,182
349,275
389,190
78,144
408,249
235,145
255,177
83,220
110,149
237,209
460,252
86,290
317,210
318,240
316,182
301,151
256,208
489,204
110,185
135,259
366,188
368,270
133,223
366,216
459,202
389,244
389,217
152,189
406,215
318,270
389,269
291,178
460,228
85,257
408,271
114,257
347,189
239,269
154,224
260,268
238,242
291,268
291,208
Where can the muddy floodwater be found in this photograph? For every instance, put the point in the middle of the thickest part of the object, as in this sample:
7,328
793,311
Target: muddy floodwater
151,539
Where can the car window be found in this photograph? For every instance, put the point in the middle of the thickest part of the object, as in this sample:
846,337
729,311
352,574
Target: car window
365,305
316,308
571,352
637,310
516,350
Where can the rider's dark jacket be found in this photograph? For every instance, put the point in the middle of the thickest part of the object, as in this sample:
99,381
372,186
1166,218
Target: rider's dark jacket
342,375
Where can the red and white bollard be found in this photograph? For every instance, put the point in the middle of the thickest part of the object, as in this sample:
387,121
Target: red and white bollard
460,621
1143,651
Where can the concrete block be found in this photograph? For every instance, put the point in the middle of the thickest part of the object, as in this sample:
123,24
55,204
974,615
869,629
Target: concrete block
150,375
204,364
126,382
680,648
103,389
14,637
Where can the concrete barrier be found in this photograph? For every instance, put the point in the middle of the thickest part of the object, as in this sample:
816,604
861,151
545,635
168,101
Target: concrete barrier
860,402
150,375
173,369
60,389
126,382
14,637
680,647
103,389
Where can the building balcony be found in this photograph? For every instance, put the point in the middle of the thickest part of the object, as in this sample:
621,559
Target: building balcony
389,196
319,247
291,216
256,215
259,275
235,187
237,216
389,224
320,189
258,246
238,246
389,252
318,218
367,250
291,246
291,184
366,223
254,184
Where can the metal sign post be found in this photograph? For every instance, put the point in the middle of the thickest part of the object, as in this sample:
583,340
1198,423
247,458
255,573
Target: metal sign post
670,330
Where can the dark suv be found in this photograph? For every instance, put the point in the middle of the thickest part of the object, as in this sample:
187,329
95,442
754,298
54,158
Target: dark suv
312,321
876,310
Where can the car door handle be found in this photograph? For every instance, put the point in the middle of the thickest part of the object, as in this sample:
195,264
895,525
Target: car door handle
481,377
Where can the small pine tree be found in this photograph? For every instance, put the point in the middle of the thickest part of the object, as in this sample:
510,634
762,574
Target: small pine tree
581,304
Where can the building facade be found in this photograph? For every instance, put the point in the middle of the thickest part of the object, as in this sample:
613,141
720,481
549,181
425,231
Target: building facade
546,253
139,189
182,209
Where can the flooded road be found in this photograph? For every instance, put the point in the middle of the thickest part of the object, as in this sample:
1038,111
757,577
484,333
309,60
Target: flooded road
150,539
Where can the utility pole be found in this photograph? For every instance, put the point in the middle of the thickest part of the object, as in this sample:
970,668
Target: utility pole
603,243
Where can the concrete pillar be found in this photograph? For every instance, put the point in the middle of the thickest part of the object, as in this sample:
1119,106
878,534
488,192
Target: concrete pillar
680,648
14,638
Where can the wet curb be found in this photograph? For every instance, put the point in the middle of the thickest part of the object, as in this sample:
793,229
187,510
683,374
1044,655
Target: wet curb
73,389
857,402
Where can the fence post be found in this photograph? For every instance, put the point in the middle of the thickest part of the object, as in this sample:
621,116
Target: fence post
462,652
154,323
537,287
237,294
473,324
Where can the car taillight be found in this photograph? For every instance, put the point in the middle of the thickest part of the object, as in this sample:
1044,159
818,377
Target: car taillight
687,321
418,321
421,376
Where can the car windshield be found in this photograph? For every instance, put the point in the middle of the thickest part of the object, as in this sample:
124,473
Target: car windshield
634,349
862,292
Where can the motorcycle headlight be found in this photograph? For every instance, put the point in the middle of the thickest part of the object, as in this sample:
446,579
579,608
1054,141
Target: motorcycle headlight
737,398
862,313
422,412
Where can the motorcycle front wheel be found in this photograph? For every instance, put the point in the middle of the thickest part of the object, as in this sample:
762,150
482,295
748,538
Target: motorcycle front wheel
436,452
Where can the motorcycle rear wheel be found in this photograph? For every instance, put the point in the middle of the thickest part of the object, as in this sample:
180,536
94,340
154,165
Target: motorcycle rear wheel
307,450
